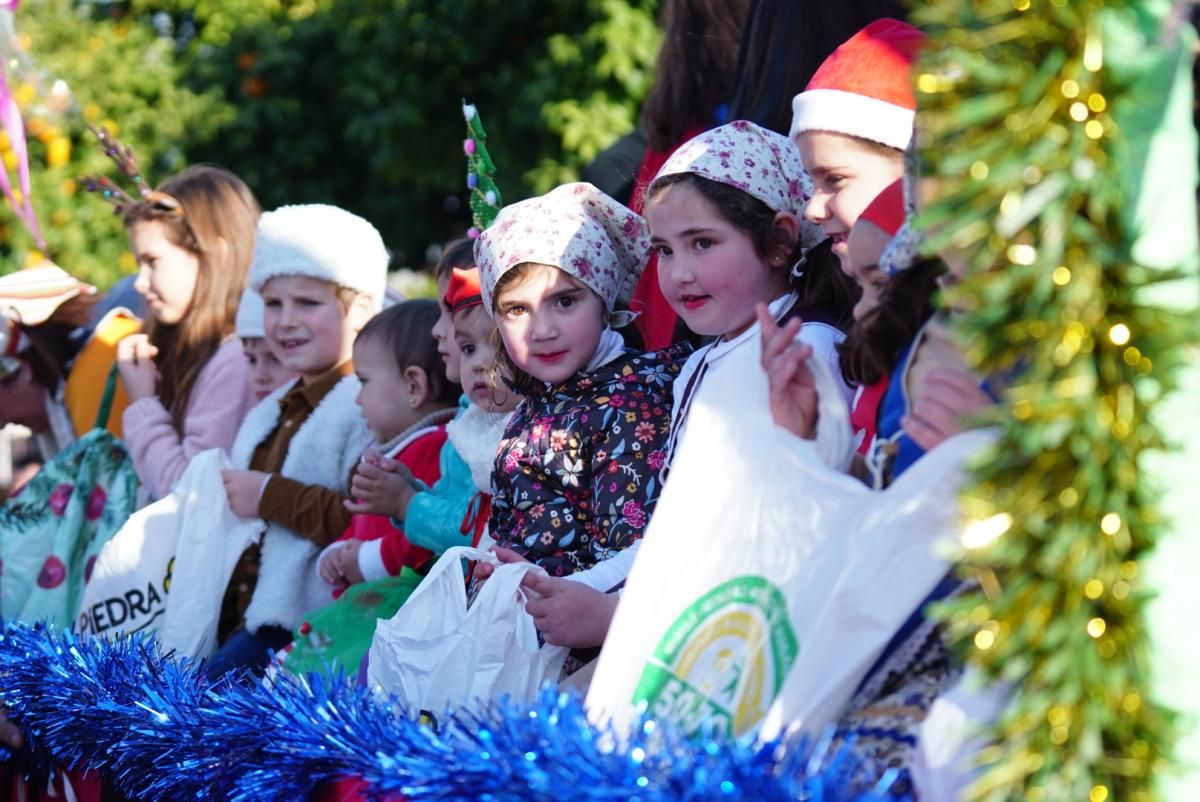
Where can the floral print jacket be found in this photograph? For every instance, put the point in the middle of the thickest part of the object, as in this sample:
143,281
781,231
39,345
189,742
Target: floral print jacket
576,476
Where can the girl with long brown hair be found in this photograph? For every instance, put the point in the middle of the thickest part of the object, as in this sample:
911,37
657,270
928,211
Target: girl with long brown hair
186,376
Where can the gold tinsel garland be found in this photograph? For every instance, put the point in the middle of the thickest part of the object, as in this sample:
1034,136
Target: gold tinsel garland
1017,125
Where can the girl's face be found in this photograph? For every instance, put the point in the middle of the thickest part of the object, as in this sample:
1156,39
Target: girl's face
473,337
865,246
847,175
391,401
443,332
550,323
708,269
307,326
267,373
166,273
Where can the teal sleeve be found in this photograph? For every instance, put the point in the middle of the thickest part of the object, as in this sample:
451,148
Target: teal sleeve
434,518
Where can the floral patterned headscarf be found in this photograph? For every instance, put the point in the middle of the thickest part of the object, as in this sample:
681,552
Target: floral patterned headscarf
576,228
757,161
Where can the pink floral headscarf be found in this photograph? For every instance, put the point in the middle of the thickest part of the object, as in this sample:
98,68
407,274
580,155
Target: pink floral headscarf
576,228
759,162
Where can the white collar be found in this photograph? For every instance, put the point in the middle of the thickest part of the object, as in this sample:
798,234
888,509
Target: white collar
610,347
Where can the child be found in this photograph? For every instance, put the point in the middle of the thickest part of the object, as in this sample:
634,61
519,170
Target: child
576,478
266,372
458,253
851,125
321,272
454,511
406,402
868,354
724,214
186,377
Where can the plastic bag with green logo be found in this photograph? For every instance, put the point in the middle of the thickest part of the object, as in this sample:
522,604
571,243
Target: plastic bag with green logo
763,591
335,638
51,532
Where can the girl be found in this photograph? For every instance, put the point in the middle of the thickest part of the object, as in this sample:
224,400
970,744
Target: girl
576,477
724,214
851,126
186,376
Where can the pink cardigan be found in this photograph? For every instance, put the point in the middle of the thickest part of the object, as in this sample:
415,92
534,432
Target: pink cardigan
220,399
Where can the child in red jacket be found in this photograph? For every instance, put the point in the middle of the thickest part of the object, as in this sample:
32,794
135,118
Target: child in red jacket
406,400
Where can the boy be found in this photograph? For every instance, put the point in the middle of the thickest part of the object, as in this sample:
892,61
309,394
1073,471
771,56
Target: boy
321,272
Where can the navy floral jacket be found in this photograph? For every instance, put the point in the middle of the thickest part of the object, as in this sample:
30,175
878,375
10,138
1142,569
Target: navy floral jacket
576,476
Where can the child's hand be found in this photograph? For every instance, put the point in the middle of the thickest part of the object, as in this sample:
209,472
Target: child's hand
381,486
484,570
945,398
347,561
569,613
329,568
792,390
135,363
244,489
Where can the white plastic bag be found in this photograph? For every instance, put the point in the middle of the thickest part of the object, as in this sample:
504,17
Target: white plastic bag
768,582
437,654
166,570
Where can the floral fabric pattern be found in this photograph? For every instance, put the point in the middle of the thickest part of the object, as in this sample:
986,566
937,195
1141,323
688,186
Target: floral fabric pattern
575,477
576,228
757,161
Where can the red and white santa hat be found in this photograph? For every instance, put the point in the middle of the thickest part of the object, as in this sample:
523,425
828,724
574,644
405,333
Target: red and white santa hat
864,89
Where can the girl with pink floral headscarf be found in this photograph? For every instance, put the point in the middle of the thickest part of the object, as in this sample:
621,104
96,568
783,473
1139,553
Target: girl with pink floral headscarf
576,478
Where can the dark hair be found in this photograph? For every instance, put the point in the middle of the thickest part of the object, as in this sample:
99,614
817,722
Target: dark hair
457,253
215,219
694,74
784,43
406,332
823,288
54,343
872,347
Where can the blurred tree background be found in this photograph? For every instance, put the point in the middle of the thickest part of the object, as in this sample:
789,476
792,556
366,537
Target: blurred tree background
352,102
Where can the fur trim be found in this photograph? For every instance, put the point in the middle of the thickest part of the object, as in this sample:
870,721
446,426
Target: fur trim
323,452
476,436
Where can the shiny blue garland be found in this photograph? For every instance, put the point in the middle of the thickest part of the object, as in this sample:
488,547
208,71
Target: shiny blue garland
160,731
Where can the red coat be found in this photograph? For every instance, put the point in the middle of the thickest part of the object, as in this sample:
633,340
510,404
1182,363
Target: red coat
421,457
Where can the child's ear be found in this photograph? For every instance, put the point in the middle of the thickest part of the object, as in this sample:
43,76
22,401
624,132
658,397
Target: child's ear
361,309
785,233
416,381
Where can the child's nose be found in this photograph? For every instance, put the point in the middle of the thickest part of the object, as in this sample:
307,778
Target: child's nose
817,209
141,284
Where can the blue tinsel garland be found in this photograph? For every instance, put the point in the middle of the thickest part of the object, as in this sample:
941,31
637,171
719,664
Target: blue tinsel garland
160,731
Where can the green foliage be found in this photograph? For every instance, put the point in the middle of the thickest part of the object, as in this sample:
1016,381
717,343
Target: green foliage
356,102
123,75
352,102
1041,215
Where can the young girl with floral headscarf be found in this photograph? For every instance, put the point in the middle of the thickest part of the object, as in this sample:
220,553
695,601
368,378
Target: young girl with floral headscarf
576,478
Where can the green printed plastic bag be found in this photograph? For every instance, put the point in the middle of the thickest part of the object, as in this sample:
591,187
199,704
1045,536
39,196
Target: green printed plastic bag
336,638
51,532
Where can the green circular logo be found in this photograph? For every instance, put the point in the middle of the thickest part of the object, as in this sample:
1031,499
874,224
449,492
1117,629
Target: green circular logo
723,661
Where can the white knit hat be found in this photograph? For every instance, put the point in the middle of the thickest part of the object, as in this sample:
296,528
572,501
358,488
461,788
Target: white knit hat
864,89
249,320
322,242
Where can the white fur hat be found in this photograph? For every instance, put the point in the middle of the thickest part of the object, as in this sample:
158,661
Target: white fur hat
249,320
322,242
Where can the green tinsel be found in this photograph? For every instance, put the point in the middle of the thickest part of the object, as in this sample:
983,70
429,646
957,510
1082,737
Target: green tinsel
485,195
1034,128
